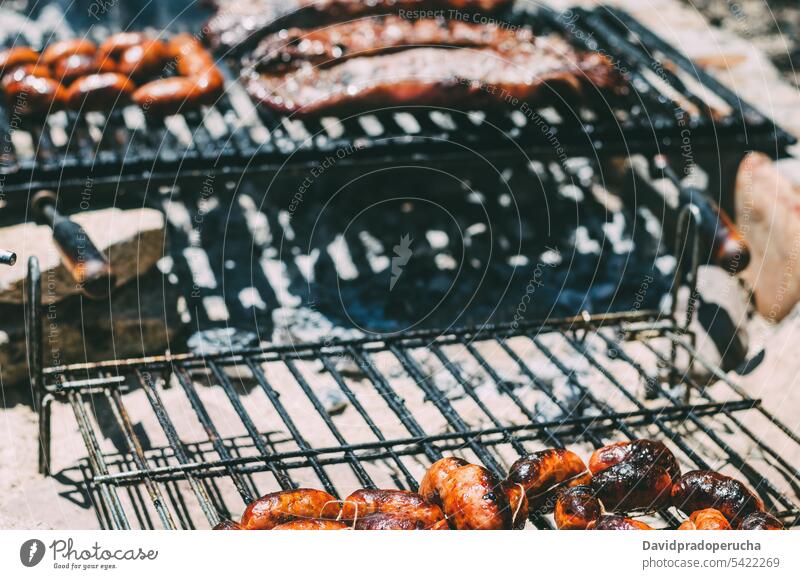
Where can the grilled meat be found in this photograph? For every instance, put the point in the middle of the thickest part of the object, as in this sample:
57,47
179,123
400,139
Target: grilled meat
407,504
703,489
484,77
576,508
283,506
706,520
241,22
290,49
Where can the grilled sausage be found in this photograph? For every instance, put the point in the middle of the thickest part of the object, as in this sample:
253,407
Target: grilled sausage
192,58
76,66
631,486
576,507
12,58
164,97
703,489
226,525
396,522
144,60
518,503
643,451
405,503
20,72
706,520
542,470
283,506
64,48
432,482
113,46
473,498
311,525
98,92
617,523
34,95
760,521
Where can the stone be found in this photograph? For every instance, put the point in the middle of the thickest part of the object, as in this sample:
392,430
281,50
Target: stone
132,240
141,318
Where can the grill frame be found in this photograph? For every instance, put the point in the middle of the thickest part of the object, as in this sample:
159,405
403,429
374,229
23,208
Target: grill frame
146,475
127,158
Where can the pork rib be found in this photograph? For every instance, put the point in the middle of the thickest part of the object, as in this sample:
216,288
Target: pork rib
239,22
327,46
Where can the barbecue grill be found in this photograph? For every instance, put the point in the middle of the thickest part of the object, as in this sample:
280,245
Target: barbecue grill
489,394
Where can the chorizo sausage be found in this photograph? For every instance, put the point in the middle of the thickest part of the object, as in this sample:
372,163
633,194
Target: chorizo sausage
64,48
76,66
20,72
364,502
113,46
226,525
703,489
396,522
98,92
145,59
632,486
576,507
760,521
283,506
12,58
311,525
706,520
617,523
518,503
432,482
34,95
643,451
473,498
164,97
542,470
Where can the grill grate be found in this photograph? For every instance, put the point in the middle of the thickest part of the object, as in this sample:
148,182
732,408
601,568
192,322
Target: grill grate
222,429
233,136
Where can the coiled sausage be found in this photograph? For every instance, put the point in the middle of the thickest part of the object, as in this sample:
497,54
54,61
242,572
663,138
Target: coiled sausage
283,506
12,58
703,489
473,498
706,520
396,522
98,92
576,507
34,95
434,478
364,502
617,523
760,521
540,471
643,451
64,48
311,525
632,486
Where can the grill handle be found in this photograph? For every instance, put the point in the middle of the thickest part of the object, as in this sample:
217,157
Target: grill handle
86,264
729,250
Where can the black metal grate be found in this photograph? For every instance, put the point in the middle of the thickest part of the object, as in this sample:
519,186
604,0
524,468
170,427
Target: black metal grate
222,429
667,100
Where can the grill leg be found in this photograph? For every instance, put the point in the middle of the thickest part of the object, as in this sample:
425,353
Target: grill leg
35,345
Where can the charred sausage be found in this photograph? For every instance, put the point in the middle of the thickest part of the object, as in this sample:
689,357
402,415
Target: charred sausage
760,521
617,523
98,92
706,520
144,60
311,525
576,507
396,522
76,66
632,486
20,72
164,97
113,46
34,95
473,498
283,506
542,470
364,502
12,58
434,478
226,525
703,489
64,48
643,451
